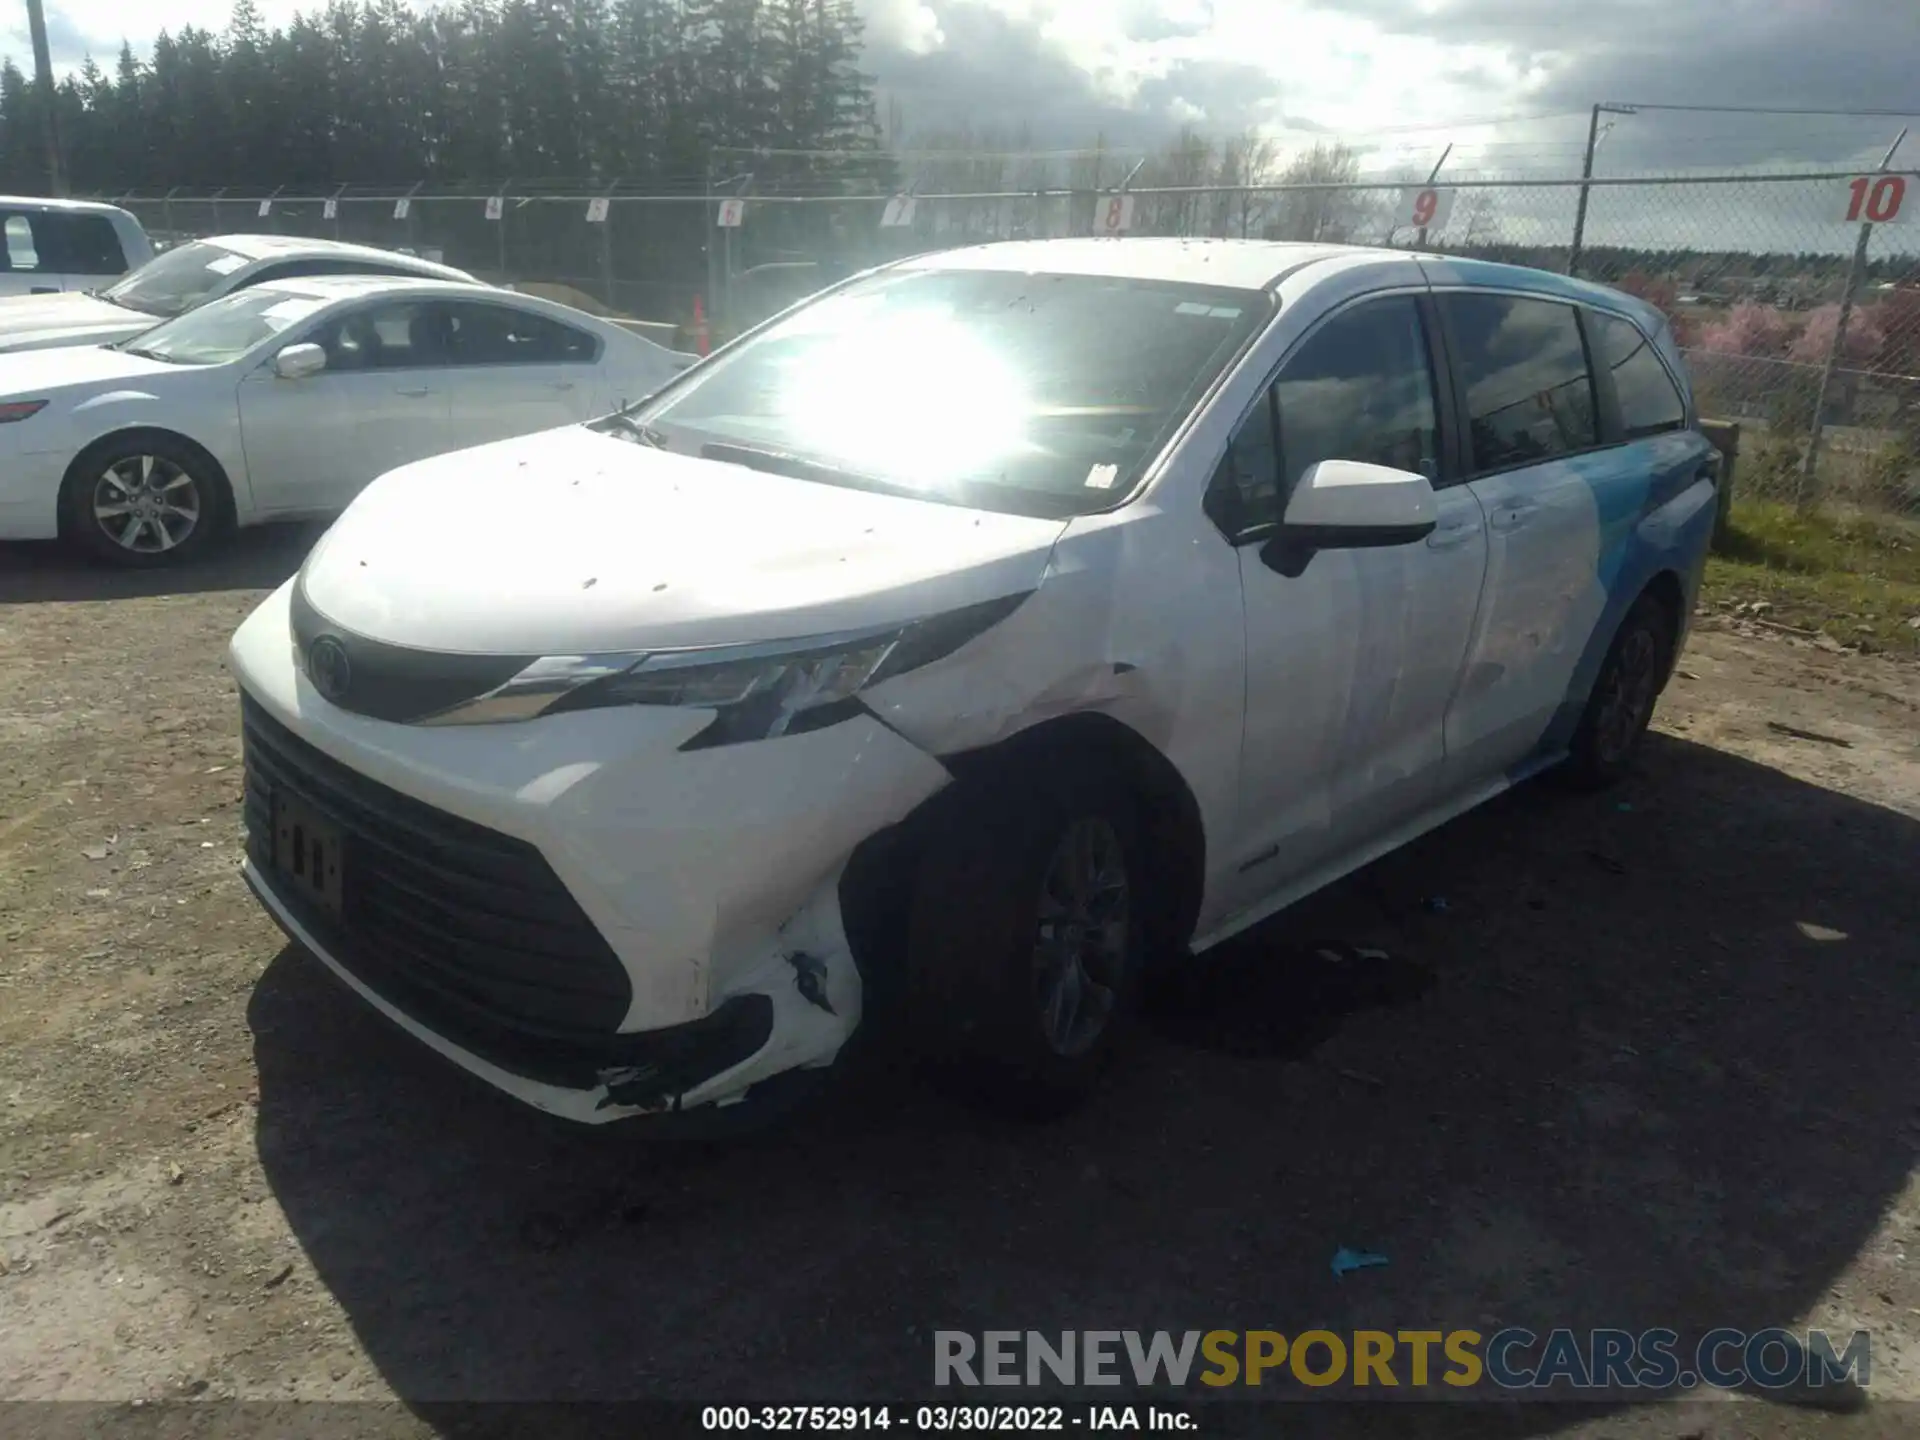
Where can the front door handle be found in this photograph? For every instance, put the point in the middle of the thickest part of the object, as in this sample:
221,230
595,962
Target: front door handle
560,384
415,394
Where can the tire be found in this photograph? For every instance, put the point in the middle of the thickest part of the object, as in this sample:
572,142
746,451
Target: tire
1607,739
1026,939
175,501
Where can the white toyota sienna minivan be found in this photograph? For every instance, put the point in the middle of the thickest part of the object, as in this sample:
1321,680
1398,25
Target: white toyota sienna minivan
973,635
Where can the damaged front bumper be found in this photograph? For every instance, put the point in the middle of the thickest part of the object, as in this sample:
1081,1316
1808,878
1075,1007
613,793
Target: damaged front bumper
574,910
748,1040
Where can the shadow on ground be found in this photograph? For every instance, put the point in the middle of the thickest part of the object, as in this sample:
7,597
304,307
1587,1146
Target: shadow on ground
254,559
1652,1062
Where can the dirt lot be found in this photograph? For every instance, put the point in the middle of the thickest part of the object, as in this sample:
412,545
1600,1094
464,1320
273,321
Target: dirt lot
1656,1061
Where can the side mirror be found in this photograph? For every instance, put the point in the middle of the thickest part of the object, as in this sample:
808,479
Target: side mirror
1350,505
296,362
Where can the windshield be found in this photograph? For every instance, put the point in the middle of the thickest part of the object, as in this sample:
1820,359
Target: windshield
225,329
1039,394
176,281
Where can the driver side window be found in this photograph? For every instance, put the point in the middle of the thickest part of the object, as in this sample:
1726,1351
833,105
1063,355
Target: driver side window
397,335
1361,388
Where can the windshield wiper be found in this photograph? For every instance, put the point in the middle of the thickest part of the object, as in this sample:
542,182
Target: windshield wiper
635,430
799,467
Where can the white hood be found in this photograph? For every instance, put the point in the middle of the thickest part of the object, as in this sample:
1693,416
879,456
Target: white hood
38,373
31,322
574,543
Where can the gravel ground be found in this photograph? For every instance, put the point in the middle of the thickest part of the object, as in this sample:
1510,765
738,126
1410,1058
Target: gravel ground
1653,1063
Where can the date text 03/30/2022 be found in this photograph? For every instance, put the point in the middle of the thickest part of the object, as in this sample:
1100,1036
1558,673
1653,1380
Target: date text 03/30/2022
940,1419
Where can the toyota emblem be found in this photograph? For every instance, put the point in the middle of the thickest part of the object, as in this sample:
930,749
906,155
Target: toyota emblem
328,668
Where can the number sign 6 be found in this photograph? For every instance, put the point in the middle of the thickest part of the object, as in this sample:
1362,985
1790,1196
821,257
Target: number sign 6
1877,199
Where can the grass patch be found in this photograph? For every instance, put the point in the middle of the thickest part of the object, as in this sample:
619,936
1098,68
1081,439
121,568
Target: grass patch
1854,578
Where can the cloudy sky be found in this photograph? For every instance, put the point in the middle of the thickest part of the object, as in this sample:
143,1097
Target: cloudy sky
1399,77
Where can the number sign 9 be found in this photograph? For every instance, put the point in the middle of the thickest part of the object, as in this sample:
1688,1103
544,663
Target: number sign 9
1425,209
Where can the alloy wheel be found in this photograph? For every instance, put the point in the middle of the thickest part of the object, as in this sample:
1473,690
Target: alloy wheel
146,503
1627,702
1080,946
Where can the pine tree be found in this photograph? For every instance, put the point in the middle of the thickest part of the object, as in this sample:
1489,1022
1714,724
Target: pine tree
375,91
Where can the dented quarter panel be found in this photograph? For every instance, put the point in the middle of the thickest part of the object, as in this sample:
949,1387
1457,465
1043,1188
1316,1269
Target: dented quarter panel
1138,619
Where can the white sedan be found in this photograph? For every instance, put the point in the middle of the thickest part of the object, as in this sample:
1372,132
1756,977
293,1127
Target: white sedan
177,280
285,400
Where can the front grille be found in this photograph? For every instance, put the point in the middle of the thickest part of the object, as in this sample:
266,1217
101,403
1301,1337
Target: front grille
465,928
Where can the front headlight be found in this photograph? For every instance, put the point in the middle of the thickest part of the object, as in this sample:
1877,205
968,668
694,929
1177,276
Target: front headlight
757,691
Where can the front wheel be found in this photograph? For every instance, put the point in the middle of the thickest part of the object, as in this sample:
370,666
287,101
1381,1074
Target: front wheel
1621,705
144,501
1026,940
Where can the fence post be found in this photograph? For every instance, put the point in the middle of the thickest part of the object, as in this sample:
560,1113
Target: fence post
711,225
606,247
1432,176
336,210
166,209
1809,489
413,223
1725,435
500,235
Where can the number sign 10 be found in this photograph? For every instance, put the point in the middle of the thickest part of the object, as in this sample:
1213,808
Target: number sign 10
1878,199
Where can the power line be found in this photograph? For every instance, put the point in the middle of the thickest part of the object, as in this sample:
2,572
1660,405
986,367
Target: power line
1765,110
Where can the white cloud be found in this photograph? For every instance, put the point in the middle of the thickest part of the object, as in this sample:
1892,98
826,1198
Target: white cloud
906,25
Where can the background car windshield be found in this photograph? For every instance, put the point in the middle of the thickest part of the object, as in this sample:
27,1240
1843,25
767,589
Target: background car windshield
1043,394
226,329
176,281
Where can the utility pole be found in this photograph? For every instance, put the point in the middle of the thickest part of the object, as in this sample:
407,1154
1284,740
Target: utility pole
43,83
1586,175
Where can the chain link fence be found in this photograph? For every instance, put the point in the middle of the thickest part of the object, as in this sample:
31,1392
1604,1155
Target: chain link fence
1795,296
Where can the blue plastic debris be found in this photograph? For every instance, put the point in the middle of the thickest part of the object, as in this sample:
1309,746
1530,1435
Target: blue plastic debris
1345,1260
1435,903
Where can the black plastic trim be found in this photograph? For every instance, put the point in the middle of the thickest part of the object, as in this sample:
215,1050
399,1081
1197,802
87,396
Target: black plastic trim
395,682
466,927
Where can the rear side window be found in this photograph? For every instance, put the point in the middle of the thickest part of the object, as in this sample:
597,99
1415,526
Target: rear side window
1650,404
22,253
79,244
1524,370
51,242
1361,388
497,335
